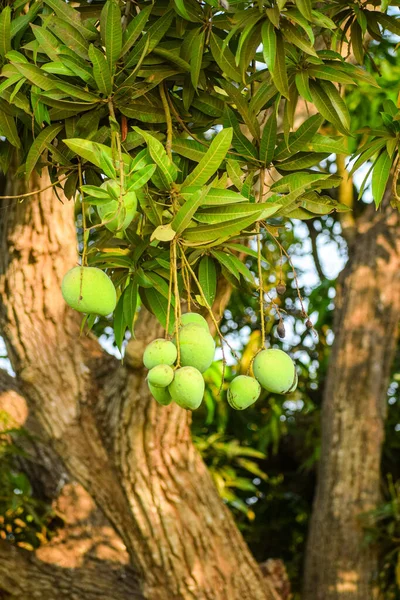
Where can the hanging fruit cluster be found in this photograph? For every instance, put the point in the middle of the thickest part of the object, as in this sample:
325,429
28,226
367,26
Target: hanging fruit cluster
192,352
176,367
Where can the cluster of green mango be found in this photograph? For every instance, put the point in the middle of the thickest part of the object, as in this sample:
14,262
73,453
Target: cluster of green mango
273,369
89,290
185,384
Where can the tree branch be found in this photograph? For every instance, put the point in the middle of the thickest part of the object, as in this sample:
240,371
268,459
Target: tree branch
314,248
23,576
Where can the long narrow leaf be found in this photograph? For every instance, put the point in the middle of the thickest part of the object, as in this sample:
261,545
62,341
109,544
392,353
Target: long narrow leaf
212,160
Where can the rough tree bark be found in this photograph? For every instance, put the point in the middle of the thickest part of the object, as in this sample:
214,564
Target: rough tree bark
134,458
339,565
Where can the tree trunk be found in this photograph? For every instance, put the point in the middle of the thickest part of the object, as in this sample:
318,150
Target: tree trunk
135,458
339,565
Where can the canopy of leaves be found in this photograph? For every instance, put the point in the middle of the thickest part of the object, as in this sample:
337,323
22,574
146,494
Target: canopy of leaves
188,105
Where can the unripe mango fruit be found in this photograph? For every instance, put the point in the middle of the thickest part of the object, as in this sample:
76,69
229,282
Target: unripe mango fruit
89,290
191,317
274,370
197,347
114,215
243,392
162,395
187,388
160,376
159,352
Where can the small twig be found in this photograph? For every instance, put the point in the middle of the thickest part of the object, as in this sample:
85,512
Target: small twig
177,300
85,234
259,265
171,278
28,194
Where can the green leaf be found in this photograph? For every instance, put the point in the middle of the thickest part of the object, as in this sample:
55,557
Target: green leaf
357,42
268,37
266,91
130,305
186,10
207,233
95,192
380,176
100,155
151,39
214,196
68,14
8,129
279,74
305,7
303,86
239,141
158,305
5,31
196,57
268,140
324,105
75,92
212,160
189,148
241,268
166,170
208,278
173,58
228,213
330,74
69,36
48,42
322,143
36,76
142,111
119,322
242,249
134,29
163,233
302,160
101,71
225,260
224,58
248,29
111,32
140,177
186,212
39,145
291,33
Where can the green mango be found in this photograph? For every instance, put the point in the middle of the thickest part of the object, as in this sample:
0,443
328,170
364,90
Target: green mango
89,290
187,388
160,376
243,391
197,347
275,371
159,352
161,395
191,317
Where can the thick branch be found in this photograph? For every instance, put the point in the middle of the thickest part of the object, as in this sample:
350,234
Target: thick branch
23,576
